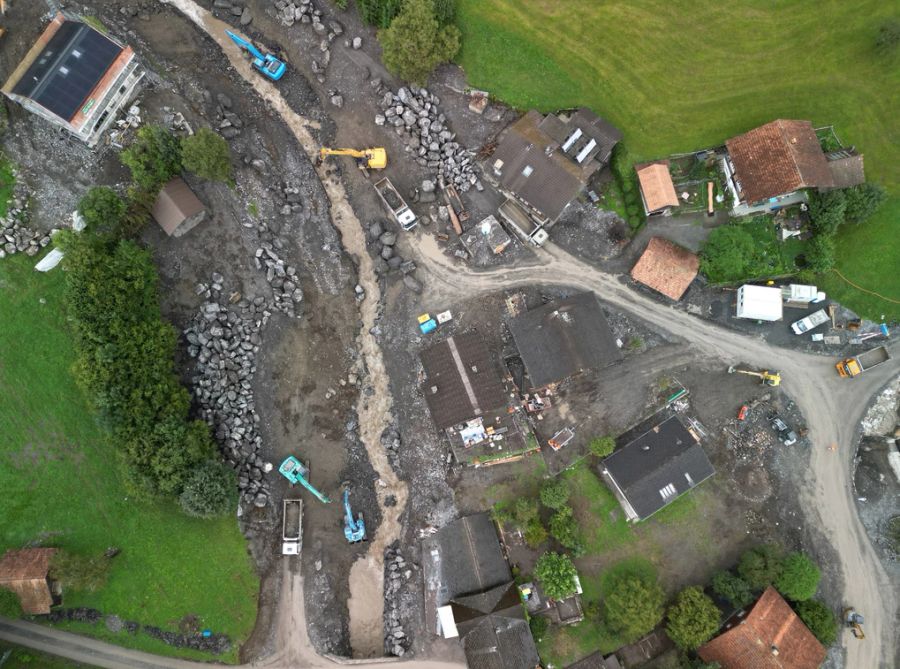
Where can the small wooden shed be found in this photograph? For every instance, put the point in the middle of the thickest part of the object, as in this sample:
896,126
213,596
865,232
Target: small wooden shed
25,573
177,209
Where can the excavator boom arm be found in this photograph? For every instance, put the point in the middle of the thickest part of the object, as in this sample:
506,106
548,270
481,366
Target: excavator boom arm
344,152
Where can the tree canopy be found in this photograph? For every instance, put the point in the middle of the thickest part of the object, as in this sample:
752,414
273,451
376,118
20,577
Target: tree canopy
821,253
153,158
761,567
415,42
210,490
693,619
819,619
826,211
554,494
729,254
102,209
632,602
602,446
206,154
557,575
862,201
799,578
733,588
564,528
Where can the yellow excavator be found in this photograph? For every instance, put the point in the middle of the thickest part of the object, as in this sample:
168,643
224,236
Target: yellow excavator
766,377
376,158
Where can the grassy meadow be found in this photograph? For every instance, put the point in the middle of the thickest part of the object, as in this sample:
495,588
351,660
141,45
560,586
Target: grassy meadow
60,487
687,75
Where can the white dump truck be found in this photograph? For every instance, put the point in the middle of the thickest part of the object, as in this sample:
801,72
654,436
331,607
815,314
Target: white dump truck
292,527
396,204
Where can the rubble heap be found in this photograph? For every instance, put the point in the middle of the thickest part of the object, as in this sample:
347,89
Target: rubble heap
228,123
15,235
395,640
225,344
415,116
283,279
290,12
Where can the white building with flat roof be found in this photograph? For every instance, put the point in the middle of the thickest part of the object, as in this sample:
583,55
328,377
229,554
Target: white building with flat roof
759,303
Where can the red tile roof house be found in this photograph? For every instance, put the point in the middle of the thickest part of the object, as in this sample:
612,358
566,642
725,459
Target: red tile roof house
768,636
768,167
75,77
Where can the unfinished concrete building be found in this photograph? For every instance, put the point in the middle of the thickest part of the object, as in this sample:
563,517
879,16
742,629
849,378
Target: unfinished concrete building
75,77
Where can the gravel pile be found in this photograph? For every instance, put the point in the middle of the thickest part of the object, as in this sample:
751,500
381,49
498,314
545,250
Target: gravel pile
416,116
396,642
225,344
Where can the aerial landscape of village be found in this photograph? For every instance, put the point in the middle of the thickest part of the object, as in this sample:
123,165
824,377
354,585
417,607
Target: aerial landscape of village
500,334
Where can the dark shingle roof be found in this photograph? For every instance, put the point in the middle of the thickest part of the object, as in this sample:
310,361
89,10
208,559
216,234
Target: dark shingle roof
461,381
564,337
596,661
469,557
847,171
665,455
778,158
771,622
68,68
493,630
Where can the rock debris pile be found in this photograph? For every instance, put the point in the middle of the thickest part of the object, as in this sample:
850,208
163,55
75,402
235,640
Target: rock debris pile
396,642
416,116
386,256
236,9
15,235
225,344
283,279
391,441
228,123
290,12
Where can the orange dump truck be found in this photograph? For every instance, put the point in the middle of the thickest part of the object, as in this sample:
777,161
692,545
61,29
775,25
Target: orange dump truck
864,361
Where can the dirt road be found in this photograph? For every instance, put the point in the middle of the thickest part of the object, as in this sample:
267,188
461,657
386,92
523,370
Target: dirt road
833,407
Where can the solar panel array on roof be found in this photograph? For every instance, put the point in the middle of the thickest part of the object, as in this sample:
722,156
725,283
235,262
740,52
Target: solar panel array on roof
68,69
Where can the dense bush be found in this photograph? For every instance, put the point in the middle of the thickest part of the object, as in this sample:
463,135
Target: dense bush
9,602
554,494
819,619
102,209
733,588
826,211
761,567
534,533
862,201
378,13
730,254
445,11
79,572
538,625
632,603
415,43
557,575
210,490
154,157
206,154
602,446
820,253
564,528
125,363
799,578
693,619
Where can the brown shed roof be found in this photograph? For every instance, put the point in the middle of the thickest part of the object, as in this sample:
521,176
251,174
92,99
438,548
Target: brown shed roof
175,204
771,636
778,158
656,185
666,267
25,573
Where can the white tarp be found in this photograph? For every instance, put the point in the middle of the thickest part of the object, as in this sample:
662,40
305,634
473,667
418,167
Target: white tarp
759,303
446,623
49,261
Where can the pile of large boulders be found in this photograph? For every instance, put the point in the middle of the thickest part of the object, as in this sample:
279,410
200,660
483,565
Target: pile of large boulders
415,115
228,123
283,279
387,258
391,442
396,642
290,12
15,235
236,9
225,344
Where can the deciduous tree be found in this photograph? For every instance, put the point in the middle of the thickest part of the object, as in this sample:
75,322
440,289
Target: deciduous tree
693,619
602,446
565,530
210,490
206,154
760,567
799,578
632,603
554,494
819,619
102,209
732,587
153,158
415,43
557,575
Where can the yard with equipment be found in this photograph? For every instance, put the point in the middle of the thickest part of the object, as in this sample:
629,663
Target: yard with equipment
668,76
62,489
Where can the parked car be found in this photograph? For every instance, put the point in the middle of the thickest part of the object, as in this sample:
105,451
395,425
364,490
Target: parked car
742,412
787,435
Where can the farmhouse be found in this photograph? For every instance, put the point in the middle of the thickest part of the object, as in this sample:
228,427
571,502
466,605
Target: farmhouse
666,268
768,636
544,162
657,190
564,338
767,166
25,572
177,210
659,463
76,78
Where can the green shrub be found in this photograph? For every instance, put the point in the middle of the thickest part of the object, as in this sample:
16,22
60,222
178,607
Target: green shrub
445,11
633,210
102,209
628,189
378,13
554,494
79,572
761,567
799,578
564,528
206,154
729,254
557,575
153,158
538,625
862,201
602,446
820,253
9,602
415,43
210,490
819,619
534,533
693,619
632,602
826,211
733,588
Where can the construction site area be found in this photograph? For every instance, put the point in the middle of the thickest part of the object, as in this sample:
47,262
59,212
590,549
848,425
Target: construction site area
392,340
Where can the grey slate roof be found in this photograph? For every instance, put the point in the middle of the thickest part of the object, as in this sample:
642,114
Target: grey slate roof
563,338
70,66
596,661
461,381
469,556
847,171
667,454
493,630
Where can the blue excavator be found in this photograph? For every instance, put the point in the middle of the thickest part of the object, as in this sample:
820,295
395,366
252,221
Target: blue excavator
296,472
268,64
354,528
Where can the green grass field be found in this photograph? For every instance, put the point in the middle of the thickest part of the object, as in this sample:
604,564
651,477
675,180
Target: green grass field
682,76
60,486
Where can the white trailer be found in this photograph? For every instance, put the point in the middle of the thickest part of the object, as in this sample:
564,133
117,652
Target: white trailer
759,303
292,527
